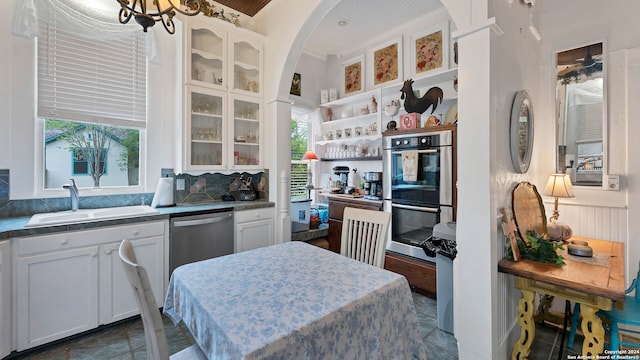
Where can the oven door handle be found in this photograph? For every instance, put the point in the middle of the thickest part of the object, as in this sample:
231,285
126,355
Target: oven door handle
428,151
419,208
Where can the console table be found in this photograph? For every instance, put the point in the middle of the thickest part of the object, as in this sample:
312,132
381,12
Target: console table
595,287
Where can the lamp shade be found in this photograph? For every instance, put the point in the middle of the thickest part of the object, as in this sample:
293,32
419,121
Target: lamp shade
559,185
309,155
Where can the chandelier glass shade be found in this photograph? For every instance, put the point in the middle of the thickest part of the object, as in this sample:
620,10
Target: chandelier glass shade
148,12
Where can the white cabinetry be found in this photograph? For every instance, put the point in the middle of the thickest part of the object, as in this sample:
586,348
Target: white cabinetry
116,297
5,298
70,282
223,116
254,229
205,128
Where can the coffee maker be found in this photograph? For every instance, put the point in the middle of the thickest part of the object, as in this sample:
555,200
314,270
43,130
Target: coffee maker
373,185
343,175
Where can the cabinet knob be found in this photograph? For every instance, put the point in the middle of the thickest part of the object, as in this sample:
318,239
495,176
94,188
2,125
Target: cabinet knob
108,251
94,254
136,232
64,242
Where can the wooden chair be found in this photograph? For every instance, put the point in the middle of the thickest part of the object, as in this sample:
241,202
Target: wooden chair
629,316
364,234
151,319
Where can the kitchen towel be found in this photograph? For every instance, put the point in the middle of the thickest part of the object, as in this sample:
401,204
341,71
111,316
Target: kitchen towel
164,193
410,165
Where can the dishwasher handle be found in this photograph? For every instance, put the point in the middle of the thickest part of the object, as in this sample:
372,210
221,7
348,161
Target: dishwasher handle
210,220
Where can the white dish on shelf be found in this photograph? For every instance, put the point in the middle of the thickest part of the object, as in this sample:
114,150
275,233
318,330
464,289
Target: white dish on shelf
452,114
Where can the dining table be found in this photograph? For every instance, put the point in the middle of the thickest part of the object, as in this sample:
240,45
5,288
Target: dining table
294,301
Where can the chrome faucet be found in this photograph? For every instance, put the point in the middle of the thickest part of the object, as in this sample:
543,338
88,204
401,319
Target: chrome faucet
73,193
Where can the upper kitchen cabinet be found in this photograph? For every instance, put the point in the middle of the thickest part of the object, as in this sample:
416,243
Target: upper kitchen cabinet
247,132
222,97
205,128
219,55
205,55
246,57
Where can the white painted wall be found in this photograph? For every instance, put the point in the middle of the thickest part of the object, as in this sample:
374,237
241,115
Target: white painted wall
313,72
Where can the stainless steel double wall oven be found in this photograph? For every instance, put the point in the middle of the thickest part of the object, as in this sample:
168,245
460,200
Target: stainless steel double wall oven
417,204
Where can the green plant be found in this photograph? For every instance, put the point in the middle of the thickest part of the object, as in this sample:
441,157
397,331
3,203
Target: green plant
539,249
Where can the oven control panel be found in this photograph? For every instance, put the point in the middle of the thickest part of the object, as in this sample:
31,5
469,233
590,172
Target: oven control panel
415,142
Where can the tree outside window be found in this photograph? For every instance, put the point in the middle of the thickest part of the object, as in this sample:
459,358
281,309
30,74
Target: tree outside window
108,154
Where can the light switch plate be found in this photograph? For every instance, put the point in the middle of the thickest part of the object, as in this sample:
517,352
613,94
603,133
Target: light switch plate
179,184
613,182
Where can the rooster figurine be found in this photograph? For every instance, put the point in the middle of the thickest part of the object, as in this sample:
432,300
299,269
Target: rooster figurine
433,97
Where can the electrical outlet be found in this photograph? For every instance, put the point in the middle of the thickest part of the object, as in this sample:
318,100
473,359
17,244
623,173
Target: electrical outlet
613,182
179,184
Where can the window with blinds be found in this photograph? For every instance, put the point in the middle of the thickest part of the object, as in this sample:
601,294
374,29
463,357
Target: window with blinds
91,96
91,80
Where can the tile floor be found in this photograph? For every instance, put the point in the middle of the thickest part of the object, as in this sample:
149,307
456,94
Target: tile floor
126,340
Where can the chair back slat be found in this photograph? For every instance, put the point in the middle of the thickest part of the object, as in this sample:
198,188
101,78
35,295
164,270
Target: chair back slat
364,234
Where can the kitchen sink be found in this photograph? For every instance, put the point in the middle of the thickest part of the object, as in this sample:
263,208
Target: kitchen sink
85,215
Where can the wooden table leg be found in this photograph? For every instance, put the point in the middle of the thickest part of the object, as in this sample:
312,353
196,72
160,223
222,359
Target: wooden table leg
522,347
593,332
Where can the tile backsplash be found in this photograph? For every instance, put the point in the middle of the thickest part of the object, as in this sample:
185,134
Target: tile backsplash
211,187
198,189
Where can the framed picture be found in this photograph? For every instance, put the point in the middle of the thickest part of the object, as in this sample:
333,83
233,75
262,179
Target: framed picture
430,50
353,78
387,62
295,84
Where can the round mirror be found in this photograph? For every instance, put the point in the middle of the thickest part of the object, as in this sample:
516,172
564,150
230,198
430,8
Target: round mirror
521,131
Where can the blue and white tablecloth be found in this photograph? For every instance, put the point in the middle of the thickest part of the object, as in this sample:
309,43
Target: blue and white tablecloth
295,301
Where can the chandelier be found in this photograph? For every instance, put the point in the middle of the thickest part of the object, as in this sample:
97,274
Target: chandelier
148,12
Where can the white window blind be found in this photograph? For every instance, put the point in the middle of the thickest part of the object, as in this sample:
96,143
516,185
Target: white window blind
589,128
89,80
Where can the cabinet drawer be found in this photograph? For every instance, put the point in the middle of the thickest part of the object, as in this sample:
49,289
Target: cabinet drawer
253,215
72,239
336,208
420,274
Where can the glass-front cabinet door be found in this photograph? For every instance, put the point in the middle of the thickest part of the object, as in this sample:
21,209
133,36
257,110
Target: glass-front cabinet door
205,129
247,131
206,56
246,68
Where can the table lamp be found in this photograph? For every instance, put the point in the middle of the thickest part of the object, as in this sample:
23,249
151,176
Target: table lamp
558,186
309,156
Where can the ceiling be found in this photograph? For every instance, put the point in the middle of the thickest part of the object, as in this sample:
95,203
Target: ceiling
365,19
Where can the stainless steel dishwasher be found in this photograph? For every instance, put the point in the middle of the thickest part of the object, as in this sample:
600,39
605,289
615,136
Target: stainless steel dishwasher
199,237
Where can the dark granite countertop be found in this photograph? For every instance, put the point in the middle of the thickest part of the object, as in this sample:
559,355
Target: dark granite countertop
14,227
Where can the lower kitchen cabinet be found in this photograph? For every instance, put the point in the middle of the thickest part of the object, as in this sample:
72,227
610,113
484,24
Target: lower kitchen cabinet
337,203
57,295
117,301
421,275
254,229
70,282
5,298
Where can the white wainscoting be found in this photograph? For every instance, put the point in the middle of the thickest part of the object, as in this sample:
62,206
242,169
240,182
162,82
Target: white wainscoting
597,222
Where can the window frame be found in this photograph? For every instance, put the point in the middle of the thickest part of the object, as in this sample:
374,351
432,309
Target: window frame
298,114
39,189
